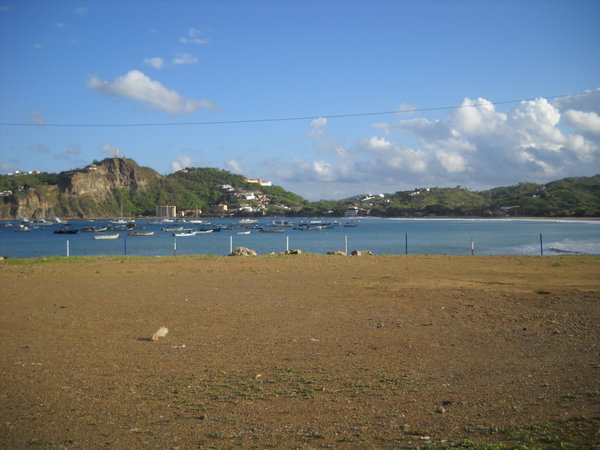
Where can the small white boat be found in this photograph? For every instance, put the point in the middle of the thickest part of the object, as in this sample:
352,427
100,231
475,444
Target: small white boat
204,231
106,236
248,221
243,232
185,234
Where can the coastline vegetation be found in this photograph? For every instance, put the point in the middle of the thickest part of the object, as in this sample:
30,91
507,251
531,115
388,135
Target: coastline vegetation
141,189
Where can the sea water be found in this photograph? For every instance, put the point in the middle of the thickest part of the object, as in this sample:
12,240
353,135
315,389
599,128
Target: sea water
381,236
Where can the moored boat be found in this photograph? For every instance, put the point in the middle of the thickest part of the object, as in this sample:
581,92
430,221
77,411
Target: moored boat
185,234
106,236
66,230
141,233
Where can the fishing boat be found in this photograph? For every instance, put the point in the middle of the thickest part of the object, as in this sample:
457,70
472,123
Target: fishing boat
248,221
23,229
66,230
141,233
243,232
106,236
185,234
205,231
176,229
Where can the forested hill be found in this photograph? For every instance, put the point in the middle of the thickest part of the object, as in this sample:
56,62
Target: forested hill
120,187
570,197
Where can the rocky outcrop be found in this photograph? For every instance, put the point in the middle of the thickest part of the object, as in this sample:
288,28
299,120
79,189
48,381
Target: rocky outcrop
242,251
100,189
99,181
28,204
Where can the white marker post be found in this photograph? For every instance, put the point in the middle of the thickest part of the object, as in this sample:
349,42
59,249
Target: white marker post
287,244
346,243
230,245
68,249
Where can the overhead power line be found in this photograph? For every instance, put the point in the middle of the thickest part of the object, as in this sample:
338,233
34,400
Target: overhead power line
292,118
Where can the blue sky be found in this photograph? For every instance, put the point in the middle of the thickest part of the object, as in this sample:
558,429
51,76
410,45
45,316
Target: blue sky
107,65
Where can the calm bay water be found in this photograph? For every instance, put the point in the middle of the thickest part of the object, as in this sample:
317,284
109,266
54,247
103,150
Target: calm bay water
381,236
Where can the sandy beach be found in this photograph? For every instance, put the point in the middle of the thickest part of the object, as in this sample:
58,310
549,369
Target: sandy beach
300,351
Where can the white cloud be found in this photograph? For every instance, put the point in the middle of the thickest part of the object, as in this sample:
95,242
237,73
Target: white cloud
108,149
182,162
473,145
193,37
234,166
59,25
405,109
586,101
453,162
584,121
156,62
185,58
82,11
137,86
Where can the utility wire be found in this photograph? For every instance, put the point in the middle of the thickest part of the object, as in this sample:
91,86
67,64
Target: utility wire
289,119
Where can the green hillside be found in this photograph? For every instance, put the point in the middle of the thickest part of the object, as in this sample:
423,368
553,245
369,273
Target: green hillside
119,186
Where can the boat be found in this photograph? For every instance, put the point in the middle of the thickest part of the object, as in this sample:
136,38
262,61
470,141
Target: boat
267,230
58,221
23,229
7,225
141,233
66,230
185,234
243,232
248,221
106,236
204,231
281,223
176,229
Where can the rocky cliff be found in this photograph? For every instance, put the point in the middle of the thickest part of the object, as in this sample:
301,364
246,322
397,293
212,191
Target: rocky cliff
99,190
100,181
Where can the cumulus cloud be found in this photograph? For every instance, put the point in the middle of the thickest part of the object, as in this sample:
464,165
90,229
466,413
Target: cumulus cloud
475,145
182,162
137,86
185,58
156,62
588,101
584,121
193,37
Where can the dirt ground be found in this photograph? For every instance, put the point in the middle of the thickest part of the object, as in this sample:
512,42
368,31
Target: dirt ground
300,351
